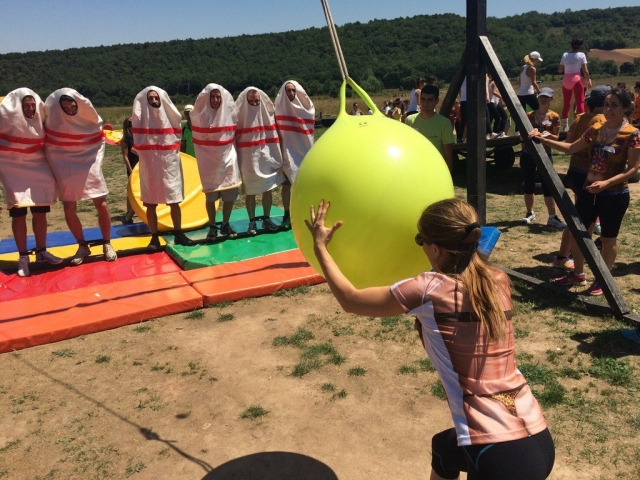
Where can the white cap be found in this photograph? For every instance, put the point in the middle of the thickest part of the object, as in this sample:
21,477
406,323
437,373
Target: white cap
535,56
188,108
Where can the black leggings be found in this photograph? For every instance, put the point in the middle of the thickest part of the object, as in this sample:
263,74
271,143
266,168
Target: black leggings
528,167
529,458
498,116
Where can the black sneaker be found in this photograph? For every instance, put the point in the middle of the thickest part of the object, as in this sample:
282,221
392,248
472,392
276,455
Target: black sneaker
180,238
154,244
227,231
213,233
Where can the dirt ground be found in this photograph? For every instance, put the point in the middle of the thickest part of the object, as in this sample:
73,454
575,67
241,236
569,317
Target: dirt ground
289,386
619,56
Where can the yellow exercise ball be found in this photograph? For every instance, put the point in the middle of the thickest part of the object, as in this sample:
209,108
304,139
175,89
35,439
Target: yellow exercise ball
379,176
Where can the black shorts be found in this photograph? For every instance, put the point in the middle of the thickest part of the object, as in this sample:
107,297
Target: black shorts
529,458
574,179
531,100
610,209
17,212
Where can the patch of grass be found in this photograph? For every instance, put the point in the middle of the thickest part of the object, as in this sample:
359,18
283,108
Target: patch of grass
136,363
157,367
437,390
193,369
103,359
357,372
298,339
10,445
543,383
305,366
226,317
163,452
336,359
318,349
520,332
195,315
63,353
408,370
615,372
141,390
292,292
223,304
341,394
425,365
254,411
342,331
569,372
328,387
143,328
132,468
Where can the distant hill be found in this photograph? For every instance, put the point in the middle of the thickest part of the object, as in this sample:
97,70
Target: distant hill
619,55
380,54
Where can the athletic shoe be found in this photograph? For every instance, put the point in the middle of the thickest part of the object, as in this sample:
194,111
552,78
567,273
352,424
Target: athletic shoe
268,224
565,263
45,256
23,266
82,253
597,230
180,238
154,244
286,224
493,136
594,289
529,217
213,233
631,334
109,253
252,230
502,135
127,221
227,231
571,279
555,222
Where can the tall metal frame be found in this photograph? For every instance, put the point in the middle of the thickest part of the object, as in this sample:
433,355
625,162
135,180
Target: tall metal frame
478,58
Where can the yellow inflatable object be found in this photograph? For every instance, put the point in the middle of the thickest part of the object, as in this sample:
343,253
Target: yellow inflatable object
194,213
113,137
379,175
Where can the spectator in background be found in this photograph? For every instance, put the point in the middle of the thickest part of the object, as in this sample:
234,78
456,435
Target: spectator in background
396,112
259,153
186,144
496,109
527,82
414,98
75,150
636,113
461,132
386,109
26,177
573,64
130,156
355,110
433,125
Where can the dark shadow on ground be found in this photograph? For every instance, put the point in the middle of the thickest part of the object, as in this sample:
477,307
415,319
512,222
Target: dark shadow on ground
605,343
272,466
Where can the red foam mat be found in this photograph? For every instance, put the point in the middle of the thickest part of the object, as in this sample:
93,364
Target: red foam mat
65,279
50,318
252,278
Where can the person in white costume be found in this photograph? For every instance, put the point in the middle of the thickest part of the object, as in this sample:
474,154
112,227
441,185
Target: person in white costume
259,154
295,119
213,123
75,149
156,132
26,177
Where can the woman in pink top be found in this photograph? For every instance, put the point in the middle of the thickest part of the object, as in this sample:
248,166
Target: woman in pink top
573,64
463,315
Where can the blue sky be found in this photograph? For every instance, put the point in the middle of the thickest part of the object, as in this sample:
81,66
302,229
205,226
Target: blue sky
56,25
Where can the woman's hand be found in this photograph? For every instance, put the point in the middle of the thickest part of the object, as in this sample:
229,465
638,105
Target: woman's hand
597,186
322,235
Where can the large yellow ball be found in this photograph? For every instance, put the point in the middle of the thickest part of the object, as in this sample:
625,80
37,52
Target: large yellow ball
379,175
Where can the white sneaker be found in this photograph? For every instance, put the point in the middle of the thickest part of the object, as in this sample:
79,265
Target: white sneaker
494,136
502,135
555,222
82,253
109,253
45,256
529,217
23,266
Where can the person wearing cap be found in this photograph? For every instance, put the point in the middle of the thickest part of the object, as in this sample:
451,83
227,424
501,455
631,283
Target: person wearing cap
214,121
527,84
259,154
573,64
26,177
614,148
636,112
547,122
75,150
432,125
579,162
295,119
186,144
156,132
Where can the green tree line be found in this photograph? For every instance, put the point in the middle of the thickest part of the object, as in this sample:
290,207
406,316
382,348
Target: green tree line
379,54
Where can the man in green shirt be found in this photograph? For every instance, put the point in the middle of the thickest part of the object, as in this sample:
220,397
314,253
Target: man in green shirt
186,145
433,125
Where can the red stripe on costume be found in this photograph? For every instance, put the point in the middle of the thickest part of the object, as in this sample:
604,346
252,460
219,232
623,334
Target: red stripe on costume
285,118
157,131
72,136
33,149
228,128
98,138
212,143
255,143
289,128
268,128
172,146
26,141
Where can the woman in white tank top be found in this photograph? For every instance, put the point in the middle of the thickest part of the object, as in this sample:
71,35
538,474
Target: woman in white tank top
528,86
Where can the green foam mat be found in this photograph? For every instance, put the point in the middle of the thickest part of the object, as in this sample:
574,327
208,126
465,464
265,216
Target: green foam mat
231,250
